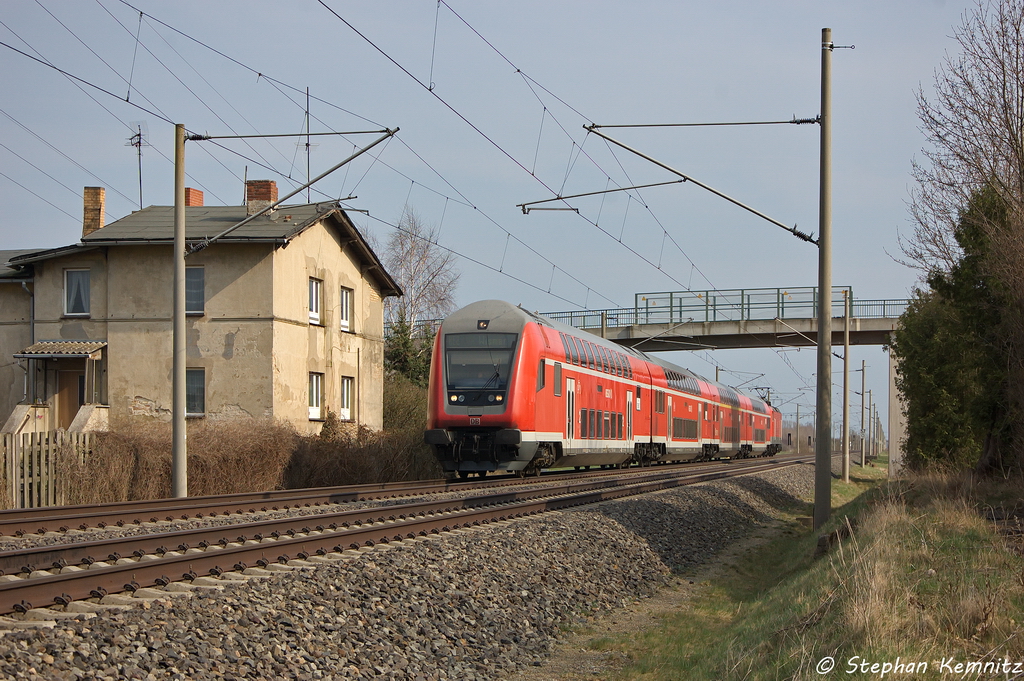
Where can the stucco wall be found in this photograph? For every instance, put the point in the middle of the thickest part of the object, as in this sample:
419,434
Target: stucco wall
232,340
301,347
15,307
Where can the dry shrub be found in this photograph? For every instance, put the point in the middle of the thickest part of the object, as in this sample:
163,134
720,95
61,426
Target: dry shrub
346,456
134,461
247,455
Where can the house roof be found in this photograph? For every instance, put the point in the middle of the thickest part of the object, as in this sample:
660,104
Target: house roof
61,348
155,225
7,271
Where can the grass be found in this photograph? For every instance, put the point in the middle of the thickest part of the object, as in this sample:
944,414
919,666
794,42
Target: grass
923,575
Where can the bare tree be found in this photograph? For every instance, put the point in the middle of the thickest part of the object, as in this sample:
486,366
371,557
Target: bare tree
425,271
975,130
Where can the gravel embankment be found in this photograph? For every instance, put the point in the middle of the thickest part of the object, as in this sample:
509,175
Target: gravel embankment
468,605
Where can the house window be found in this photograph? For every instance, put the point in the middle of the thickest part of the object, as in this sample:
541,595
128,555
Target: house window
345,411
76,292
315,287
346,309
195,392
195,290
316,394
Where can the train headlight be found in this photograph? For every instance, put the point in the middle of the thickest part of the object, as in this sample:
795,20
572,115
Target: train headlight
454,398
490,398
498,398
462,398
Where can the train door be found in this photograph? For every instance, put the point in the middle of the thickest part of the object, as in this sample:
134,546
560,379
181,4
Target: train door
570,409
629,418
668,419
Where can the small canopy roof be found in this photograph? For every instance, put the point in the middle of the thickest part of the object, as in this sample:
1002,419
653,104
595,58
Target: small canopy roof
61,349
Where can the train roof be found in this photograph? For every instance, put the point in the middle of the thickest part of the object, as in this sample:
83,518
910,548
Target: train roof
505,317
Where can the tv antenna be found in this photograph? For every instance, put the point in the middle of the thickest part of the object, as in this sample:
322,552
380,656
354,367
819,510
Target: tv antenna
138,140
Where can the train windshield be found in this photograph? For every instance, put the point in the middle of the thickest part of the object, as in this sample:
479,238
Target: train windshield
479,360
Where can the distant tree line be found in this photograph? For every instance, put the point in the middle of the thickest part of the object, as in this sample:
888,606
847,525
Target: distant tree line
959,348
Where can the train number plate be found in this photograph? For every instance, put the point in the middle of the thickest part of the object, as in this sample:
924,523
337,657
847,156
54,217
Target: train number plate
474,421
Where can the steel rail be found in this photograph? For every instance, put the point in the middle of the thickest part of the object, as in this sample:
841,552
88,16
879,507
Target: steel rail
20,522
19,595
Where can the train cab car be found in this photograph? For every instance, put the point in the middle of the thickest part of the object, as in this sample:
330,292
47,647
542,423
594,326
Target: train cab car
511,390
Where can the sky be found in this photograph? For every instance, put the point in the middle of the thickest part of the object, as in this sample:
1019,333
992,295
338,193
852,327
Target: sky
490,100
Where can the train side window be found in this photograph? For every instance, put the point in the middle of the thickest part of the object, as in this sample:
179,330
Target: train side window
565,346
600,424
558,379
606,357
572,351
616,367
620,426
577,345
540,376
620,370
609,431
583,423
599,358
593,424
590,355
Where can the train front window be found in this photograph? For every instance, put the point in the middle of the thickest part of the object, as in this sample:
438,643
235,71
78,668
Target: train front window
480,361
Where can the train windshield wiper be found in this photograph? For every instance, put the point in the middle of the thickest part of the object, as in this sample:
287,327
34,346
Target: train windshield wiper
496,376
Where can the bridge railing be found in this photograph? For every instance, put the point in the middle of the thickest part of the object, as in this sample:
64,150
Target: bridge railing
680,307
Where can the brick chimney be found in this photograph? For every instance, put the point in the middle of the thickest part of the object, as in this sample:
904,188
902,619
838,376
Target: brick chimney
94,213
259,194
193,197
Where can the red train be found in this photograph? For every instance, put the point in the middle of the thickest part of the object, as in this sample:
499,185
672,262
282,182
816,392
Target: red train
511,390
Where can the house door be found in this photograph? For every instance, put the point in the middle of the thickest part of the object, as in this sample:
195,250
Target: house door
70,396
570,409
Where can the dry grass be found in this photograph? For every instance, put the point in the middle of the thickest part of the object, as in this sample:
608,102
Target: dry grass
923,574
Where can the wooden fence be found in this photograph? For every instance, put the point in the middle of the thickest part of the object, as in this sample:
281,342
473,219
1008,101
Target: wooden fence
31,474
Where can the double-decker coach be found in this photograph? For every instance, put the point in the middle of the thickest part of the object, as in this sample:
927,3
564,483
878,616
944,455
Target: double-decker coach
511,390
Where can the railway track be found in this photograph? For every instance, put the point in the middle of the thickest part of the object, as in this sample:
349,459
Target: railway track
63,574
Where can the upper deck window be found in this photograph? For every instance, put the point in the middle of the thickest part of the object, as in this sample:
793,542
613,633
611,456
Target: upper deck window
479,360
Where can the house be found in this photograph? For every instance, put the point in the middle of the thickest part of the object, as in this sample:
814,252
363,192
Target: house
284,318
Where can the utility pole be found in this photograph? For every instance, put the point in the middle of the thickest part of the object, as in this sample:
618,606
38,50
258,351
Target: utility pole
846,386
863,392
798,429
823,446
179,447
867,428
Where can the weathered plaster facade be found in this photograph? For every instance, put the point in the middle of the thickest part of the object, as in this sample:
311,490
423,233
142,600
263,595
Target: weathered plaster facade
254,338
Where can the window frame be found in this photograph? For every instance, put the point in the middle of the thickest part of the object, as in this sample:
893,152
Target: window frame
345,410
315,390
316,300
88,292
345,300
202,301
189,403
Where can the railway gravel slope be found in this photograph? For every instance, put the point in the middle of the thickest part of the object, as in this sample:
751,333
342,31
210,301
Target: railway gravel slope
473,604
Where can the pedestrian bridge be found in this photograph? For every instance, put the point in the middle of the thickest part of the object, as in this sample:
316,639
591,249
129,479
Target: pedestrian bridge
737,318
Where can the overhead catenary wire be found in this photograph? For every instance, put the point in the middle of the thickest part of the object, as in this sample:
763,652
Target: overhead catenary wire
87,93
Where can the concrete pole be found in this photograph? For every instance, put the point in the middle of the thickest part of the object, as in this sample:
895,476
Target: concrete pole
846,386
863,392
179,449
798,429
823,414
867,429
